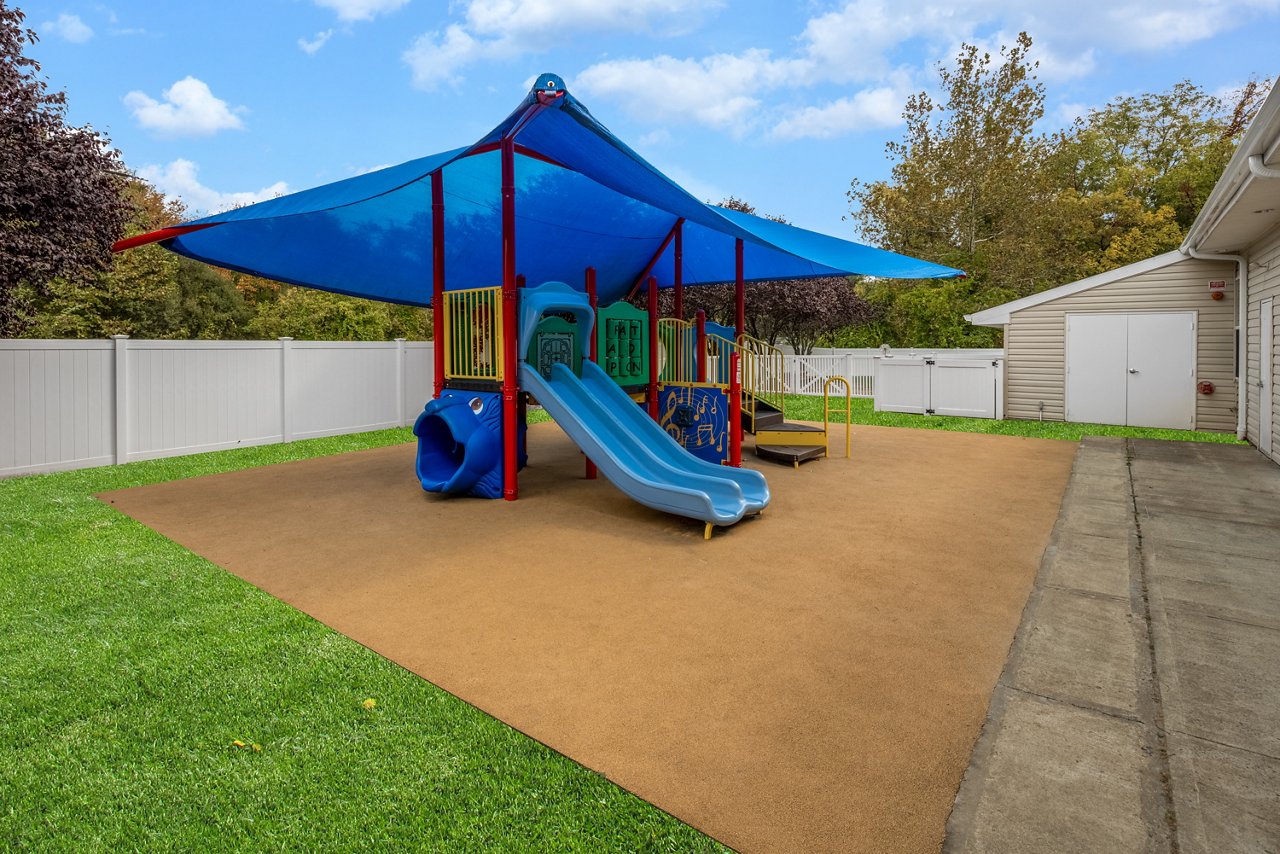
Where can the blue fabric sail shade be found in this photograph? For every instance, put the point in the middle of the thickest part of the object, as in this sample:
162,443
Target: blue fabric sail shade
583,199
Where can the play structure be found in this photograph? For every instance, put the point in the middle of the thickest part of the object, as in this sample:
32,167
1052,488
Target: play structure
550,197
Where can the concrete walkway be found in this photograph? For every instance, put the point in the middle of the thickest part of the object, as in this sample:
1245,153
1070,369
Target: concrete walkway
1139,709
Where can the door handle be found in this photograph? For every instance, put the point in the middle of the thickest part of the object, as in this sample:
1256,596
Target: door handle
1133,370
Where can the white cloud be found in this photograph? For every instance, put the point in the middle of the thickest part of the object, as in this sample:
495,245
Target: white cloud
69,27
508,28
360,10
539,17
1066,114
721,91
312,46
659,136
436,60
870,108
189,109
180,180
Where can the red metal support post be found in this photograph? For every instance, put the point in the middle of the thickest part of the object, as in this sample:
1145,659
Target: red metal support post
653,348
591,350
522,409
735,363
739,292
702,345
437,281
648,268
510,334
735,412
678,276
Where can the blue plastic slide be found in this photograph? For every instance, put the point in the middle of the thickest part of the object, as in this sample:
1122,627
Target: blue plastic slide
637,455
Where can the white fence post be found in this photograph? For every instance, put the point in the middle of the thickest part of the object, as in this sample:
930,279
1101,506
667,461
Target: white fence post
400,392
286,357
999,364
121,368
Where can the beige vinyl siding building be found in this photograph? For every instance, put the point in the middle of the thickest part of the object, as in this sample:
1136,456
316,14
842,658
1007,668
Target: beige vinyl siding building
1036,339
1235,239
1240,223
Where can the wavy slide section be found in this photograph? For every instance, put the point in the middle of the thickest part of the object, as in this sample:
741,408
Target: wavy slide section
637,455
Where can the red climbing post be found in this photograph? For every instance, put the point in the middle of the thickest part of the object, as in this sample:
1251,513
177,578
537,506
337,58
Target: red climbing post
437,281
653,348
735,412
678,277
591,350
739,293
510,332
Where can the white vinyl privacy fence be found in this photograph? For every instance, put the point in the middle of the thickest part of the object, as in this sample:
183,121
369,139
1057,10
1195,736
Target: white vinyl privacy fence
939,385
74,404
808,374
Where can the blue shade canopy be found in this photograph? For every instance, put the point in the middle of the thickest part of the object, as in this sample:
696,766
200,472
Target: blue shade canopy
583,199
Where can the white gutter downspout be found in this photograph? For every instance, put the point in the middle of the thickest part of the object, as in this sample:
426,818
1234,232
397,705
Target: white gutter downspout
1242,347
1258,169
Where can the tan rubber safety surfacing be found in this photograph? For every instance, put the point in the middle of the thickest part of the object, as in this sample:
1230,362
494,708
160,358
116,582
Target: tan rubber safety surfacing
809,680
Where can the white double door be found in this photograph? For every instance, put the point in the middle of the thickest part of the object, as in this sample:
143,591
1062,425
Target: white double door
1132,369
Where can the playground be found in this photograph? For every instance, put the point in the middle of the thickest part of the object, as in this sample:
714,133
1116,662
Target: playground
576,227
813,682
811,679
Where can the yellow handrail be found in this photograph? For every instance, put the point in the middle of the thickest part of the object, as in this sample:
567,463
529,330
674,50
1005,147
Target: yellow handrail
763,375
473,334
847,412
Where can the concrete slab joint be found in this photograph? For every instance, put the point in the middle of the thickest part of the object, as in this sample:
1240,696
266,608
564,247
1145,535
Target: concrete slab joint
1138,707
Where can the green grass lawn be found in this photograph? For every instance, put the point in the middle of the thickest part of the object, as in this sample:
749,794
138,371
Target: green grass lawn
129,668
810,409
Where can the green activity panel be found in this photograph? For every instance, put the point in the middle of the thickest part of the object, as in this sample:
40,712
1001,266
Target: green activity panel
622,343
555,340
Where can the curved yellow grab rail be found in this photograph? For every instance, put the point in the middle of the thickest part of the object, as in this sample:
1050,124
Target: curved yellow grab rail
763,374
847,412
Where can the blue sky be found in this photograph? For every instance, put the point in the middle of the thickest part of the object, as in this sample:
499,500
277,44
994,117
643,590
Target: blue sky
778,103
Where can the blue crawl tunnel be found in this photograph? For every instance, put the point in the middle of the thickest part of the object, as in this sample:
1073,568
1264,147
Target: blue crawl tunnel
460,444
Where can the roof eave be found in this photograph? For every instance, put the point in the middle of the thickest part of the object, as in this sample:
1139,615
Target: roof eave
1262,137
999,315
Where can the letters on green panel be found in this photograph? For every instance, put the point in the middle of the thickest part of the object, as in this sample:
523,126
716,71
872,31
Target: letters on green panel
622,343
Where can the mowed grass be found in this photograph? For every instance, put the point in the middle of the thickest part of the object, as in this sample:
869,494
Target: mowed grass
800,408
129,668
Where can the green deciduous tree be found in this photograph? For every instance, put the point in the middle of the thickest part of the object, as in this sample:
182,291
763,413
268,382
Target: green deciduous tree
967,172
322,316
148,293
974,185
60,186
798,312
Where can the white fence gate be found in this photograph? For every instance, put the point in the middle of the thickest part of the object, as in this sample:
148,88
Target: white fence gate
972,388
808,375
75,404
